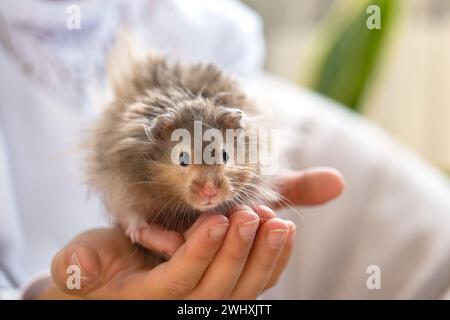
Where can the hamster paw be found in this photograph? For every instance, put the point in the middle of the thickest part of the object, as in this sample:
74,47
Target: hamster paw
134,231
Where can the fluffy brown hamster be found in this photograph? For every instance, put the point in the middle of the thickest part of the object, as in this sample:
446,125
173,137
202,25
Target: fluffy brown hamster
131,160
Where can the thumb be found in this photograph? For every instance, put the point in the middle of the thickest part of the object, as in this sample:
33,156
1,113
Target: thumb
76,269
314,186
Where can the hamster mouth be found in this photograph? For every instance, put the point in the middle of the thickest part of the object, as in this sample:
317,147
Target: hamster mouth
207,207
217,204
206,204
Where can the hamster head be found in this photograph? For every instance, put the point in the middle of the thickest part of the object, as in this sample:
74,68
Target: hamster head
188,155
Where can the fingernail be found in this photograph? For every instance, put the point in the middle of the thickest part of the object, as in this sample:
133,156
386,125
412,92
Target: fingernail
217,232
275,238
75,262
292,225
292,232
248,229
244,207
83,275
86,276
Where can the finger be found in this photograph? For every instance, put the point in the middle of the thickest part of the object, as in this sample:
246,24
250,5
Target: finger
80,267
224,272
71,262
267,248
284,257
311,187
156,238
181,274
264,212
195,225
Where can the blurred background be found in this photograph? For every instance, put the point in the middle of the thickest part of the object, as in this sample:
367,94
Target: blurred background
398,75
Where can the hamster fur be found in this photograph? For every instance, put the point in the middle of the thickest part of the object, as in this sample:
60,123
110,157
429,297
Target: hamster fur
130,162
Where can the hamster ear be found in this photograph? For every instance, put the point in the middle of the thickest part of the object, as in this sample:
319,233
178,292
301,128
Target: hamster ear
231,117
162,126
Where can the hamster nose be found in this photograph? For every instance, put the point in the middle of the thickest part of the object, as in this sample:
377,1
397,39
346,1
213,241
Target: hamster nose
208,191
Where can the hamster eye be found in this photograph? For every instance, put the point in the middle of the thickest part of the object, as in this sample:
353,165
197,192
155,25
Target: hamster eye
225,156
184,159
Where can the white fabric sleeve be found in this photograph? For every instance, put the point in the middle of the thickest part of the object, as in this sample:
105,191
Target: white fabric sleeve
225,32
11,237
35,285
393,217
12,242
446,295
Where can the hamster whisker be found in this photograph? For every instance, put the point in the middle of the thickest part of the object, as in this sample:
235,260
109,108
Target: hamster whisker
279,198
156,216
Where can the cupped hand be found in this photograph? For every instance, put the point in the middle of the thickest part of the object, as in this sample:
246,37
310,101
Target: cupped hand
217,258
222,258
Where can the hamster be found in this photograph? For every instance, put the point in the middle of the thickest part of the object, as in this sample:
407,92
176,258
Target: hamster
132,163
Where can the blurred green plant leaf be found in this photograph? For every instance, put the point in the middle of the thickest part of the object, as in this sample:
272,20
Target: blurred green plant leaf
350,60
